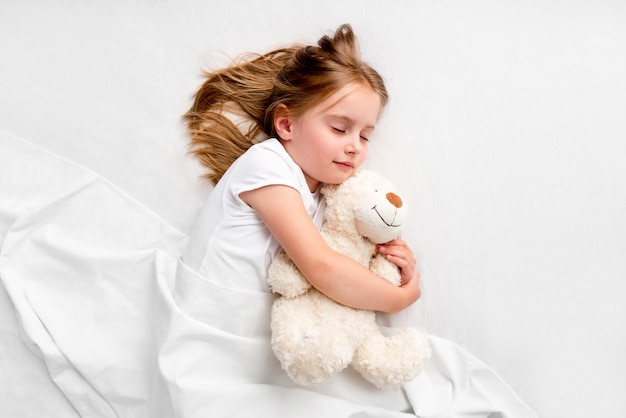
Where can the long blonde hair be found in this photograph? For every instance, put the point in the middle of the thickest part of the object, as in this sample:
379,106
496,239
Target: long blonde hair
236,106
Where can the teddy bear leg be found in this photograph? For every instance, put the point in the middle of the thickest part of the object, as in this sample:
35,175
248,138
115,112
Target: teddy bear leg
389,361
314,337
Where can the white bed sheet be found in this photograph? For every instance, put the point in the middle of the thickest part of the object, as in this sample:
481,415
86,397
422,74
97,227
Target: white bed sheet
91,272
508,132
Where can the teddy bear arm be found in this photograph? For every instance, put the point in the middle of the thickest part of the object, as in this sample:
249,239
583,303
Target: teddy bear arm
284,278
384,268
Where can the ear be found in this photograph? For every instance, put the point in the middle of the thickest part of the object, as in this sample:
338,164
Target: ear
283,122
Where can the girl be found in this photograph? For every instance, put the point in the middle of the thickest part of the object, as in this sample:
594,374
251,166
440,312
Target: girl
318,105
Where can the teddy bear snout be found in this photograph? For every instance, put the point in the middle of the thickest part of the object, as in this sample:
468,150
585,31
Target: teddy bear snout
394,199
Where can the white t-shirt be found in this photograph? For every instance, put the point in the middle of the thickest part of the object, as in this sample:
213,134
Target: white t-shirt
229,244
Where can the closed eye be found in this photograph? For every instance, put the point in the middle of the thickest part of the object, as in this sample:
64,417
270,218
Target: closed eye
343,131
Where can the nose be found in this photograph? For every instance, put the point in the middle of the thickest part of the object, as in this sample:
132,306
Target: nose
354,145
394,199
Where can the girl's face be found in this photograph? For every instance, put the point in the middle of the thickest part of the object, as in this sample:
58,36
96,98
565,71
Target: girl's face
329,141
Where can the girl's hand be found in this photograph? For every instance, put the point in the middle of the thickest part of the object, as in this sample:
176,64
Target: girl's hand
398,252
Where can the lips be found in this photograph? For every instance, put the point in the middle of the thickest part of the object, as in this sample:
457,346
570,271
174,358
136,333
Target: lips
348,164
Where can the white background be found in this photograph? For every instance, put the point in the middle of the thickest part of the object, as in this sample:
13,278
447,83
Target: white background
506,130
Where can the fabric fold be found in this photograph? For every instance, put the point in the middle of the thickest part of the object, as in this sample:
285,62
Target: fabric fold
126,329
211,368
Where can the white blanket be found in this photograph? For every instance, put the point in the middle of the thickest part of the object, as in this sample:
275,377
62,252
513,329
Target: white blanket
505,131
126,330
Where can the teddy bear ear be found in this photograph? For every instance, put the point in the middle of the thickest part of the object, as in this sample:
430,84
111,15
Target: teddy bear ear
329,190
376,180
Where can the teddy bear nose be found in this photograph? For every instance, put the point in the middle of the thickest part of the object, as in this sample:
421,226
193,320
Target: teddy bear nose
394,199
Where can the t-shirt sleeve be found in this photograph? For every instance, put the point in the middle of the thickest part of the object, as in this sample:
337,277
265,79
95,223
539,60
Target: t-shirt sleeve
261,167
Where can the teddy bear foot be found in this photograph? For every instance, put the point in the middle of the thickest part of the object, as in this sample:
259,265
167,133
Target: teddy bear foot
310,374
388,362
312,351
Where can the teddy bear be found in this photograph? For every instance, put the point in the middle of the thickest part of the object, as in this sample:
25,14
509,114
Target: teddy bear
315,337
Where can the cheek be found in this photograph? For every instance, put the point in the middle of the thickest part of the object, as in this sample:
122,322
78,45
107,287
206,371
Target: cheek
364,152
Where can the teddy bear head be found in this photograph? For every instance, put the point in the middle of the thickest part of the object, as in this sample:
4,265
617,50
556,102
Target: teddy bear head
367,204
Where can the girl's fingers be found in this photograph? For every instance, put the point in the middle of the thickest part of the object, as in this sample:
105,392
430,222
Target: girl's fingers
399,253
402,256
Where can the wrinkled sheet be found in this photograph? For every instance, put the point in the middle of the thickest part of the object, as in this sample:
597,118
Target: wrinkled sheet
125,329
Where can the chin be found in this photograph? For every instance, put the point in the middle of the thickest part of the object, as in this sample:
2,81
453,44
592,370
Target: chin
340,179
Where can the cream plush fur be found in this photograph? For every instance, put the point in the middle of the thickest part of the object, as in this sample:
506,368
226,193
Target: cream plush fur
314,337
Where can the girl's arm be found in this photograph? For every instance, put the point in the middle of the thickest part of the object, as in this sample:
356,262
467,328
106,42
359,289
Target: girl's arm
334,274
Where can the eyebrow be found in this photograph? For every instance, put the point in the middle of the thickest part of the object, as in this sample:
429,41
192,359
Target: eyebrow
349,120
